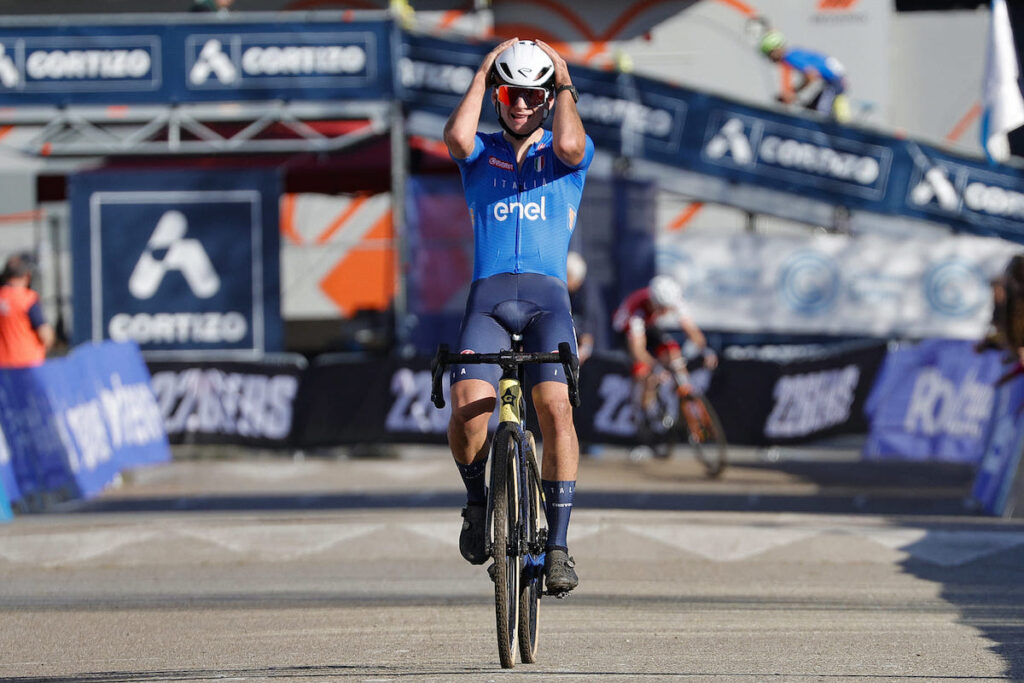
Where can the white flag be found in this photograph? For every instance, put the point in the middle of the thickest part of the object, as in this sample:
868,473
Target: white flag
1001,99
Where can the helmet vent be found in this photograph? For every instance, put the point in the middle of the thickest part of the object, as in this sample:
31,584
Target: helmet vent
543,74
508,72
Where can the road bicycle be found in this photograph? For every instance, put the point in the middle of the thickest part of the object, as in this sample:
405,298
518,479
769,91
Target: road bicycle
516,526
679,415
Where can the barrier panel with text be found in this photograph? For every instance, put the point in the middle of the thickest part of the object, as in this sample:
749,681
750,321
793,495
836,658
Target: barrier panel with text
73,424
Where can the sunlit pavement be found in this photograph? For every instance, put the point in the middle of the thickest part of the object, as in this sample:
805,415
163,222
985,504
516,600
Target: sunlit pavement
802,566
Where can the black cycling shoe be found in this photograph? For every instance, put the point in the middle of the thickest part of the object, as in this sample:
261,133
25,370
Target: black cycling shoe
471,541
559,573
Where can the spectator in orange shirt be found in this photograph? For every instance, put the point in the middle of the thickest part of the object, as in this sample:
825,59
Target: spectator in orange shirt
25,336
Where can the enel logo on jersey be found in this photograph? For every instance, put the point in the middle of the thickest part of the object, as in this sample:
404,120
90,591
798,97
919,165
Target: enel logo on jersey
530,211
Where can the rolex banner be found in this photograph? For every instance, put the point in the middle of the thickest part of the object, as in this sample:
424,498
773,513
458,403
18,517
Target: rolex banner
182,262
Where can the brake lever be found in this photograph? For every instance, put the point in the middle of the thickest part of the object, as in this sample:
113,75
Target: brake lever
437,365
571,364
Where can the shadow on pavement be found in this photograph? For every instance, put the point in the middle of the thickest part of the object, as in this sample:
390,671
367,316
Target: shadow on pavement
988,592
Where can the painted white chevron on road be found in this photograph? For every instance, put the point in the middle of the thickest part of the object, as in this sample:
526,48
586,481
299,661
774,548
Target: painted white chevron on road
288,540
722,543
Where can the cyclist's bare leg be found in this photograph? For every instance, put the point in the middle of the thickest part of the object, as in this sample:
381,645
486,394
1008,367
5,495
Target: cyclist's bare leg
473,401
561,446
672,358
674,361
558,478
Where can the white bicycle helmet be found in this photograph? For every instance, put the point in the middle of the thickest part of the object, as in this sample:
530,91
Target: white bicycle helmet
525,65
666,292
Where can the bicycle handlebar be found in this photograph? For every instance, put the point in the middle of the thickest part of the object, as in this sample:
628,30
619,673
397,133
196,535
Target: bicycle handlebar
506,359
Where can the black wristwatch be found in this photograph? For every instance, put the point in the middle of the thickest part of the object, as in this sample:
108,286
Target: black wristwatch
572,91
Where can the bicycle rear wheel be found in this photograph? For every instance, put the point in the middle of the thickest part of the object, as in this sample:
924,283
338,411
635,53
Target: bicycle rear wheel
531,579
708,440
505,497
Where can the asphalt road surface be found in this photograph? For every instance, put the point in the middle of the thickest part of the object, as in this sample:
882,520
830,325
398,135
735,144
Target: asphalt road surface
791,567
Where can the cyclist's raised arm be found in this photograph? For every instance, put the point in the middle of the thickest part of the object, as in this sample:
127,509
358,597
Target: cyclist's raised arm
460,130
697,337
569,141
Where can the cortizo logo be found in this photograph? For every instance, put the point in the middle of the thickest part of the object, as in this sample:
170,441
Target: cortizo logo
733,140
9,76
168,250
179,328
937,187
529,211
88,64
184,255
276,60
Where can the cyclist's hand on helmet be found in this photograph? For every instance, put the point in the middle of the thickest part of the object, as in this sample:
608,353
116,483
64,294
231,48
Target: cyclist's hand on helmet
485,66
561,68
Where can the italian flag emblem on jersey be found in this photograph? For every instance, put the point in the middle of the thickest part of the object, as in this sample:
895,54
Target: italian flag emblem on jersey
538,164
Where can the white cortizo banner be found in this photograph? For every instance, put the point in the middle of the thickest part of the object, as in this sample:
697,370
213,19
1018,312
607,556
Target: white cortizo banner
835,284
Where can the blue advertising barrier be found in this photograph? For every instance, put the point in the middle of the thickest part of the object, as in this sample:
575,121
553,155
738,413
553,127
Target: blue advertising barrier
933,401
800,160
66,63
803,157
1005,442
178,261
73,423
5,473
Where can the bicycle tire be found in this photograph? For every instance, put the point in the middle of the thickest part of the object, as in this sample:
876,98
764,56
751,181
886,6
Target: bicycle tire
531,578
504,494
709,444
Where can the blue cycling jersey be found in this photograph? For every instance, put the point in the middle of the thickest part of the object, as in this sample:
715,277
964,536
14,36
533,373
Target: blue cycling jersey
522,217
829,68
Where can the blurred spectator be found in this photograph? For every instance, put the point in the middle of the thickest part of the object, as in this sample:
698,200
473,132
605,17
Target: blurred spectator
221,6
25,336
588,312
1006,329
822,84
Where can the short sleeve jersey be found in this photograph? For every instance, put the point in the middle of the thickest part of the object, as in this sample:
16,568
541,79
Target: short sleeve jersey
829,68
20,314
523,216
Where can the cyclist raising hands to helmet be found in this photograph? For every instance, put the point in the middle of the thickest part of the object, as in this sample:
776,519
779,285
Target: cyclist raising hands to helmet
523,187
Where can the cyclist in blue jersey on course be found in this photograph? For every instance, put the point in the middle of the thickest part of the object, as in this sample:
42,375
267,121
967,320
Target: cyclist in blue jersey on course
523,189
816,70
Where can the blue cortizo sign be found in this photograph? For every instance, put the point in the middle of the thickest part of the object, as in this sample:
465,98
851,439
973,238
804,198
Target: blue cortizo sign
160,64
801,162
178,262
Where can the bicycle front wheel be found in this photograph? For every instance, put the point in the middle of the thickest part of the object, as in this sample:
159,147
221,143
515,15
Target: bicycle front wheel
708,439
532,576
504,520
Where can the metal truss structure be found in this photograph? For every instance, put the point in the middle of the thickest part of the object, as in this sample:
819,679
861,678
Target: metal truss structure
274,127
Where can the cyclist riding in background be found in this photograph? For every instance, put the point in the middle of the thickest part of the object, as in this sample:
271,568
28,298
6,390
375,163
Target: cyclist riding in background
815,70
523,187
637,320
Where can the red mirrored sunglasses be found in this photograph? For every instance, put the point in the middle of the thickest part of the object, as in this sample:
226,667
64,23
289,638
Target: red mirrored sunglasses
534,97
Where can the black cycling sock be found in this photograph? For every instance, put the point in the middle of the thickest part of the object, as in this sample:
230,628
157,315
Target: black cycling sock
558,497
475,481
